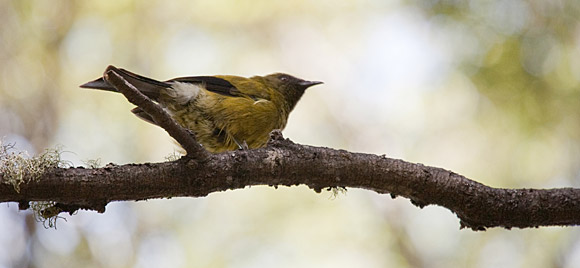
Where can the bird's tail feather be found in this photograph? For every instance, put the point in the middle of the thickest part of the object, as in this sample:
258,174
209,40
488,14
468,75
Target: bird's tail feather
147,86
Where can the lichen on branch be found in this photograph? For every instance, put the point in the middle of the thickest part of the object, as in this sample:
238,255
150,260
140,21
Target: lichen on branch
18,167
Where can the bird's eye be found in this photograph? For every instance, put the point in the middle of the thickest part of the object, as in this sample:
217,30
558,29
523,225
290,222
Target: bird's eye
284,78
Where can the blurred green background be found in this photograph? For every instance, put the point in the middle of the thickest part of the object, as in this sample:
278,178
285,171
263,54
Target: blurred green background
487,88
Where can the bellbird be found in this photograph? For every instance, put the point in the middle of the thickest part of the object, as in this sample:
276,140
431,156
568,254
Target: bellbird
225,112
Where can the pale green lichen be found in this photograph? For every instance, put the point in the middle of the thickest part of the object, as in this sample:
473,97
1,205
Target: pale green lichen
176,155
274,158
18,167
93,163
46,212
336,190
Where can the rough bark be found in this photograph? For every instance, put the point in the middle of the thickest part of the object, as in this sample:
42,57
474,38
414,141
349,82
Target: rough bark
286,163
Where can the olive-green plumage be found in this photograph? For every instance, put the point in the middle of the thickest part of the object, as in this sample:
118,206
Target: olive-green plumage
225,112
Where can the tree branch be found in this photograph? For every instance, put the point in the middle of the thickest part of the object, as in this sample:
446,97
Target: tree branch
283,162
183,136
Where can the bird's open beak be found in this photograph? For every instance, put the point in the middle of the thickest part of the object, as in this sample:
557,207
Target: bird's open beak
307,84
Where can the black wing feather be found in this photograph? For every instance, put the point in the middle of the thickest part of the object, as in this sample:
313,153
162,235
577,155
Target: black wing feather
211,83
147,86
141,78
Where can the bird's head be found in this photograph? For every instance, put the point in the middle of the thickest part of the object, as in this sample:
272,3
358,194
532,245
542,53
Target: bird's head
292,88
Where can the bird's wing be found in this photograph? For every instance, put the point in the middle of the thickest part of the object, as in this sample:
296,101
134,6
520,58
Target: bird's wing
211,83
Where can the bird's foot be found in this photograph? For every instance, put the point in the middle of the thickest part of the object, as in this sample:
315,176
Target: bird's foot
242,146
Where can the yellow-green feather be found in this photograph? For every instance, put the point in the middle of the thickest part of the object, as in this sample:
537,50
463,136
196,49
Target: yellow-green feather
223,122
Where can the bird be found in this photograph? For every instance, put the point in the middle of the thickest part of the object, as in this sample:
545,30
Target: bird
225,112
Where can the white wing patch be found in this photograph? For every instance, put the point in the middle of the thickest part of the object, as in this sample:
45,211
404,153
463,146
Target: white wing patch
184,92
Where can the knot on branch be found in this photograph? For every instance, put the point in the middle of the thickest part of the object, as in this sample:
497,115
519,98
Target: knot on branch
277,139
276,135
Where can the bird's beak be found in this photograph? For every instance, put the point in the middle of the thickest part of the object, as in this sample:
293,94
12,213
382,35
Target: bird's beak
307,84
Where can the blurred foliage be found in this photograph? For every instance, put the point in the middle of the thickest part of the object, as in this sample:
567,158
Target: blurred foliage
486,88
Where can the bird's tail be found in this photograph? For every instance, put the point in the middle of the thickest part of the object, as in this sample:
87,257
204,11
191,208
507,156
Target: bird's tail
147,86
